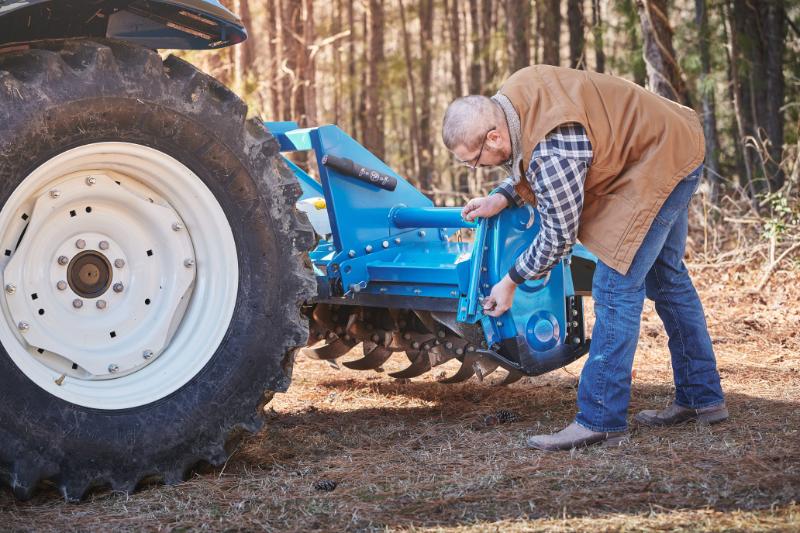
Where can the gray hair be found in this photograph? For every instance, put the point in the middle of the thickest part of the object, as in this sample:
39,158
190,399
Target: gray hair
467,118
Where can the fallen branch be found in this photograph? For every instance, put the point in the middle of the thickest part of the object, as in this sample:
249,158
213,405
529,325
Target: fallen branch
774,265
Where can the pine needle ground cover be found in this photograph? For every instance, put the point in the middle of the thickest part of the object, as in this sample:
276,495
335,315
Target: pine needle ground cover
347,450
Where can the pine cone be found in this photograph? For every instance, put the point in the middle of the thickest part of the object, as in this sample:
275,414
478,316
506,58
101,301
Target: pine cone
326,485
506,417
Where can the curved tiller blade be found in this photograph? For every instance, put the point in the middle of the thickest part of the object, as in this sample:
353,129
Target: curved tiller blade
372,359
512,377
419,365
332,350
466,371
483,367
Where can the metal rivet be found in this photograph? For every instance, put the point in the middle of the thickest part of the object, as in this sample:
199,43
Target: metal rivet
453,293
470,348
499,323
368,248
415,345
63,259
177,226
103,245
421,233
576,340
77,303
80,243
448,345
574,312
351,253
118,287
397,240
23,326
62,285
55,193
188,263
147,354
574,324
101,304
11,288
441,334
91,180
112,368
119,263
385,244
459,351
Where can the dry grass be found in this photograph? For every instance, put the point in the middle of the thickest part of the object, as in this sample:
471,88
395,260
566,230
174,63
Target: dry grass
418,455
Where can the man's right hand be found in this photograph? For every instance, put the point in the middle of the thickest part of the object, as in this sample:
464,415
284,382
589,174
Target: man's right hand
484,207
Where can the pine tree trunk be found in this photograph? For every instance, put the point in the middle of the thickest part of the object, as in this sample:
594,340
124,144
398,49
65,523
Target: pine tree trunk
426,69
309,72
454,31
351,68
274,59
414,140
575,22
663,72
551,31
775,32
373,123
475,80
709,105
243,52
518,14
597,33
336,28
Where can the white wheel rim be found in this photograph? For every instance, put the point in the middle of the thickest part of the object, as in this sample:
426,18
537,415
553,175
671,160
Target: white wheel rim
161,234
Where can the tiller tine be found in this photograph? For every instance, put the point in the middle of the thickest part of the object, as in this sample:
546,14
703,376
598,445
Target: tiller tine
332,350
512,377
466,371
419,365
483,367
372,359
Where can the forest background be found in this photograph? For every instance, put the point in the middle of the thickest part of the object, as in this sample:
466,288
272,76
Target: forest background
384,71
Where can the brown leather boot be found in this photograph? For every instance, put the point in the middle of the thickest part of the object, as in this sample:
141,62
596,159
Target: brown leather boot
574,436
675,414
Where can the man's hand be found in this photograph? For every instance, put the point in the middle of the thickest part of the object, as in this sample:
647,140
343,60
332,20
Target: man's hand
484,207
501,297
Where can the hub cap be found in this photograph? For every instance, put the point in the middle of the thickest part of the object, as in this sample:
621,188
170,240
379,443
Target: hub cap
125,275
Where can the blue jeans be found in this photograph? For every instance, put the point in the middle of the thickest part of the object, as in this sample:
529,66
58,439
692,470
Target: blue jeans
659,273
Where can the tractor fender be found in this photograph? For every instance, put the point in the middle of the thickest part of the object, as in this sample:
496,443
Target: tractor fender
181,24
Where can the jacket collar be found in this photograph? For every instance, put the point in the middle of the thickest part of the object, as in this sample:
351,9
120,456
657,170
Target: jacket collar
512,166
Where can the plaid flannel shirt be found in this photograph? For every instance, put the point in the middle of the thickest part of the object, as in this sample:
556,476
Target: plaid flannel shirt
556,173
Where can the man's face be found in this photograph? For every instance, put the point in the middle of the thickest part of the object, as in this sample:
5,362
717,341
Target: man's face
493,150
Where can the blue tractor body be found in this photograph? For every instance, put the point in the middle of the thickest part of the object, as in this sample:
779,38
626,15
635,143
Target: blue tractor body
390,248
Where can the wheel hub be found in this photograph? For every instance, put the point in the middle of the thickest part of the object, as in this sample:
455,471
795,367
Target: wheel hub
92,236
89,274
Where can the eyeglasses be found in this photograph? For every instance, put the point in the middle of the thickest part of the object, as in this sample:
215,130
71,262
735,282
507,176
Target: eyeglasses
474,163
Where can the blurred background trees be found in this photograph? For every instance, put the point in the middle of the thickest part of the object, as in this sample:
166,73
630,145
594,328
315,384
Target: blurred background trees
384,71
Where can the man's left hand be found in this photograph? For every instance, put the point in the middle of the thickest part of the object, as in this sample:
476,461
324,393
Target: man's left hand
501,297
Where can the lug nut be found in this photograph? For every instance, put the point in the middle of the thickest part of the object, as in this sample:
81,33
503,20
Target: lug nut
188,263
368,248
80,243
459,351
147,355
112,368
55,193
77,303
119,287
103,245
101,304
351,253
385,244
62,285
421,233
397,240
11,288
91,180
177,226
119,263
576,340
63,259
23,326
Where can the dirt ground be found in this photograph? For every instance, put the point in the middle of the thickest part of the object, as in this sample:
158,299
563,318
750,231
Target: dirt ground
419,455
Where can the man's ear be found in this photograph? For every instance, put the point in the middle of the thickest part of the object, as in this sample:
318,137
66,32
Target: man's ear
494,136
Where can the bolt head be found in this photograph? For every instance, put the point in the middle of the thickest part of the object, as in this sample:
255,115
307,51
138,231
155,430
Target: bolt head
385,244
103,245
576,340
24,326
415,345
62,285
113,369
421,233
11,288
459,351
441,334
351,253
147,355
55,193
499,323
119,263
368,248
188,263
91,180
101,304
397,240
80,244
77,303
63,260
177,226
118,287
376,338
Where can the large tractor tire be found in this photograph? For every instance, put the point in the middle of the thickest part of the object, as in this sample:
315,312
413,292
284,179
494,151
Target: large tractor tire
152,264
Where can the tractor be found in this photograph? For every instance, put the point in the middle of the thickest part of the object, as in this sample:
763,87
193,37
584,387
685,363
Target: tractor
163,259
